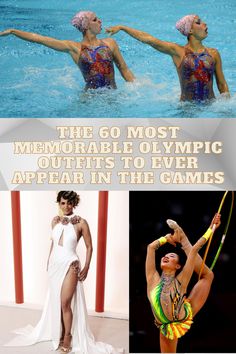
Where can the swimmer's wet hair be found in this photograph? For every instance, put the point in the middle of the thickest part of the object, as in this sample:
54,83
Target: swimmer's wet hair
71,196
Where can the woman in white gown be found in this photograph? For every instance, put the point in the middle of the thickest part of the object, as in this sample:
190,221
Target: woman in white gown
64,317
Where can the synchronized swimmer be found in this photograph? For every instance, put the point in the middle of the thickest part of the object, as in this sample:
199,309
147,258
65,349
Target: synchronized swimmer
94,57
195,64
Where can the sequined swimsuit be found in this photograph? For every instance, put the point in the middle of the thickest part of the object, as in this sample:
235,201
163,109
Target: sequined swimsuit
196,76
175,328
96,65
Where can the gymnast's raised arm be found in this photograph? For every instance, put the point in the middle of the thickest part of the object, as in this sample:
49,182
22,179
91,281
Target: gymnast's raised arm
152,274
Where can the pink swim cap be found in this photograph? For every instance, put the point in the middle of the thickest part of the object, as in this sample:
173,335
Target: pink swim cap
81,20
184,25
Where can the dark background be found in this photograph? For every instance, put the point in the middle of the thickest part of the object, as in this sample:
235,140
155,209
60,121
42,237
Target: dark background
214,327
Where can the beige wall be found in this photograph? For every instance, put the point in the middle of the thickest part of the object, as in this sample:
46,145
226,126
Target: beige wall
37,211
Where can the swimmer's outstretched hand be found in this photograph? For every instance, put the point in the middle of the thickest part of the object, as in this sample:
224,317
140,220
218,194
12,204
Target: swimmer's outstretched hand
6,32
112,30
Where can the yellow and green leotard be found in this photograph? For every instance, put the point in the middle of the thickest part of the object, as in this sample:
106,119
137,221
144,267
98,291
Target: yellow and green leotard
171,329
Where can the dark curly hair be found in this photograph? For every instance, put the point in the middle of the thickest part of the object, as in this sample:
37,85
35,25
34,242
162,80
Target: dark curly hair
71,196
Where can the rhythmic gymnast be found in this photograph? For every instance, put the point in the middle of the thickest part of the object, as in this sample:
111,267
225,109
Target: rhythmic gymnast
94,57
173,311
195,63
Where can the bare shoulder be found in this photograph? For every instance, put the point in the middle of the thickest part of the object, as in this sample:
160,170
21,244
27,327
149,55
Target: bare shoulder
177,52
78,221
83,227
110,42
83,222
214,52
180,49
75,44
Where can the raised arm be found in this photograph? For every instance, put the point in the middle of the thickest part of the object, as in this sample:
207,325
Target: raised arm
119,60
144,37
89,249
186,274
56,44
220,79
152,274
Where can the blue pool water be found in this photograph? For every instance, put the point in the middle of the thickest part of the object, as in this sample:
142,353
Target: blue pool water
38,82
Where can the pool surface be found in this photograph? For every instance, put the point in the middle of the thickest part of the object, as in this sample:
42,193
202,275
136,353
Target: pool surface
36,81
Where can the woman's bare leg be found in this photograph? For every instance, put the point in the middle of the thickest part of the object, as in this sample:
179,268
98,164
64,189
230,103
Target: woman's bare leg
67,292
62,327
167,345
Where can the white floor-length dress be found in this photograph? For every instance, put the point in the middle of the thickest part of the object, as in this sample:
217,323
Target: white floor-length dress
49,326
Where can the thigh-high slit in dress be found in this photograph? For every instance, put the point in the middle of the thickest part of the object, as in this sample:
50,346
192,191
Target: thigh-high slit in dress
49,326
